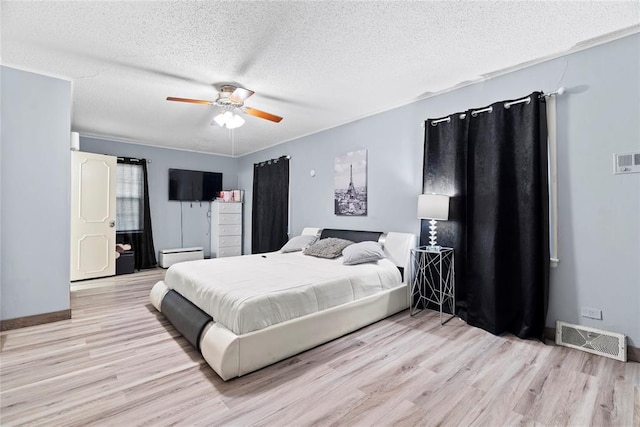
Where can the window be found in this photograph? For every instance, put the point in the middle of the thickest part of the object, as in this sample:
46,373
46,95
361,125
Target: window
129,198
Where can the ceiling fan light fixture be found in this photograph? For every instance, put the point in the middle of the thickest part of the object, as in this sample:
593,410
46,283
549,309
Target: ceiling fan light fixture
229,120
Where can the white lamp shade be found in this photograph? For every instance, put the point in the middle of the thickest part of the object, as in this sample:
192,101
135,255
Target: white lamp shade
220,119
433,206
235,121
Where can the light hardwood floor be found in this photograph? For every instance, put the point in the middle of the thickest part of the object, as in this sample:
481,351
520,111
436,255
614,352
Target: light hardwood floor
119,362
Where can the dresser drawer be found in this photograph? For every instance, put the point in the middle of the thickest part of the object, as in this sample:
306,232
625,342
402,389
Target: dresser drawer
229,219
230,251
229,207
229,230
227,241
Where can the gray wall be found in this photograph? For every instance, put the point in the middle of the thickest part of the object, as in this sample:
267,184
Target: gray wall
165,214
599,213
394,163
35,183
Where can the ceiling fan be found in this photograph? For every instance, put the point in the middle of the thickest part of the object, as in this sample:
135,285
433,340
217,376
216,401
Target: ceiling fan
229,99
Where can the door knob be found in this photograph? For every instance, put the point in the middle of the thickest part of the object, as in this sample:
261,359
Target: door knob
112,223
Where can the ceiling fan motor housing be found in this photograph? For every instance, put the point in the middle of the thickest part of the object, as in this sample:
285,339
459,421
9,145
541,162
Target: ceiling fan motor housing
224,98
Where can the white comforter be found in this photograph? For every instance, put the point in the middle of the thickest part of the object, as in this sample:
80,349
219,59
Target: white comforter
251,292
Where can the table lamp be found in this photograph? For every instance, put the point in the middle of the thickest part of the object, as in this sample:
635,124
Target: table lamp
433,207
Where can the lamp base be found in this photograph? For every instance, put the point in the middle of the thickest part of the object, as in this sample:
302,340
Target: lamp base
433,235
433,248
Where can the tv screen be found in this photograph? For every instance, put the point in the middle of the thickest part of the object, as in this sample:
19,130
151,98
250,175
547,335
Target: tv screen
186,185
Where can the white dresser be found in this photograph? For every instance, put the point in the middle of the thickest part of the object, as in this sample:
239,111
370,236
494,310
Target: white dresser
226,229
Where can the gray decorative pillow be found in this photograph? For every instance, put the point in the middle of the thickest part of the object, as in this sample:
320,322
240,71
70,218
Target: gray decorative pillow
362,252
330,247
298,243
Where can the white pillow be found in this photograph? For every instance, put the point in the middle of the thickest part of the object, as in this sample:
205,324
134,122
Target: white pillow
298,243
362,252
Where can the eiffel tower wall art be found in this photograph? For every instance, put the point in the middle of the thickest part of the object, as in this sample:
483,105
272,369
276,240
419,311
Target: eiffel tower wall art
350,197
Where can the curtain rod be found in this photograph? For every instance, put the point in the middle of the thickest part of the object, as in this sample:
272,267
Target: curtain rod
288,157
132,159
507,105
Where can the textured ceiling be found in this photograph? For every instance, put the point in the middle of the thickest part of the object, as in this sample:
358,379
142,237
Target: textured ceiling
317,64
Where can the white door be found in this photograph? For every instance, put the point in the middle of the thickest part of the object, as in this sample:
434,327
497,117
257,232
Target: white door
93,215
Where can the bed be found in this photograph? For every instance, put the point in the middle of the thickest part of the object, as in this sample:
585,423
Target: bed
244,313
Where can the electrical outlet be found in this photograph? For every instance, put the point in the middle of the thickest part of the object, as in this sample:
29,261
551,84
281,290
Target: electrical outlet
592,313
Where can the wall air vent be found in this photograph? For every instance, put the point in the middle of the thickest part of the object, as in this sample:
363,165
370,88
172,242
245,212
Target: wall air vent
626,163
608,344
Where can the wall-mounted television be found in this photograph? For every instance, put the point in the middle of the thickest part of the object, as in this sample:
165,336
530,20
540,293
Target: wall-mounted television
194,186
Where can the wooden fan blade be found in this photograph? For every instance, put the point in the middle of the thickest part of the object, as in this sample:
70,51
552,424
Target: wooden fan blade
241,94
262,114
192,101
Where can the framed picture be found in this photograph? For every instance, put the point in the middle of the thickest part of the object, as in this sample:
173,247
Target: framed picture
350,196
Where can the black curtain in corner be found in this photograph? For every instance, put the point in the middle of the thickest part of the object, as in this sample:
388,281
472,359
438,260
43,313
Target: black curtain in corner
494,165
270,215
507,219
141,240
445,172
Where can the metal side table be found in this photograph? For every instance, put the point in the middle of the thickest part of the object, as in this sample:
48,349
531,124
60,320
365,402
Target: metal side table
433,280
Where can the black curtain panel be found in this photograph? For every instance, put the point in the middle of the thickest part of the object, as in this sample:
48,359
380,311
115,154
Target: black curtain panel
507,219
270,216
445,172
499,212
133,219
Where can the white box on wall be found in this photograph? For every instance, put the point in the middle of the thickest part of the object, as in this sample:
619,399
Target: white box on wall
168,257
75,141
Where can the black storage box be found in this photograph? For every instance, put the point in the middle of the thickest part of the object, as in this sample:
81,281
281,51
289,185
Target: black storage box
125,264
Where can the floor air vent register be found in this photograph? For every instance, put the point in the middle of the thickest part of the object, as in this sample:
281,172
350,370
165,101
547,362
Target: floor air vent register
591,340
